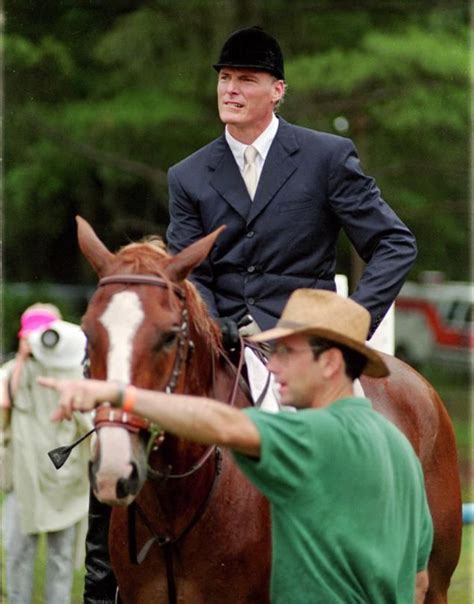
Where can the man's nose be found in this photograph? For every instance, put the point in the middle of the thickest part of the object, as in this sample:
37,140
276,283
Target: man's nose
272,364
232,86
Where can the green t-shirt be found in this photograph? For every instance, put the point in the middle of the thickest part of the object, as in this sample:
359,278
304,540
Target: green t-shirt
350,520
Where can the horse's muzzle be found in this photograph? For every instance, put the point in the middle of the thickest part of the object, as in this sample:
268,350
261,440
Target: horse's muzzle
129,486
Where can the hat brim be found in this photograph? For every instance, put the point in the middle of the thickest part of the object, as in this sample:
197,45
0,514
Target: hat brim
375,366
272,70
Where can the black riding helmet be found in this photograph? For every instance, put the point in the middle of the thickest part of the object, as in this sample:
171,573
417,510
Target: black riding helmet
251,47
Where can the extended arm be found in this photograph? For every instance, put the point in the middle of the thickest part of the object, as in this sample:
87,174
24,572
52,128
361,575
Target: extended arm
381,239
198,419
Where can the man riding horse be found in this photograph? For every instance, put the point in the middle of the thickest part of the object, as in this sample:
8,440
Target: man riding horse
284,210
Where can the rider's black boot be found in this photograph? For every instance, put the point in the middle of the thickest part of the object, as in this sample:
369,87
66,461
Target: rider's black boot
100,585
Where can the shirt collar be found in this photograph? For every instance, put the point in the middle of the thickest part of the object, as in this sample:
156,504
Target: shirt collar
262,143
353,401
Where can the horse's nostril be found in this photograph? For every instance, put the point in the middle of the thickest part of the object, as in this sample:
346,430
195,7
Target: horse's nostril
123,488
128,486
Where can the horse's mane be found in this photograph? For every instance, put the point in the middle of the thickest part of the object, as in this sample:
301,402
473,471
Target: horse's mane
150,257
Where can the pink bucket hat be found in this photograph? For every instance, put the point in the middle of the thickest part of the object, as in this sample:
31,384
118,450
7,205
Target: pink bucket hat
36,318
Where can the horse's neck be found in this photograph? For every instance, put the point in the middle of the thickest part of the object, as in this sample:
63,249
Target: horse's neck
211,373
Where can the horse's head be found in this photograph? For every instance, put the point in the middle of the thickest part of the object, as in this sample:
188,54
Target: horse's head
142,326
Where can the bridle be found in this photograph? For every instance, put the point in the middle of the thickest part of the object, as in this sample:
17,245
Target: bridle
108,416
185,344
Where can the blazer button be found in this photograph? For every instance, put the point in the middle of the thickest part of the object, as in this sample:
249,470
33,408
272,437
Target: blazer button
250,300
251,269
250,234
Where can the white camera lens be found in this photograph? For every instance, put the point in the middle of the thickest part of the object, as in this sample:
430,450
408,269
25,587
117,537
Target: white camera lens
49,338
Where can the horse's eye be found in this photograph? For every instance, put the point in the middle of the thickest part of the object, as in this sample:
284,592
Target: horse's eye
168,338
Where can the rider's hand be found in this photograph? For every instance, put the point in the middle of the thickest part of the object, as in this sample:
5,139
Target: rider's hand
248,327
230,333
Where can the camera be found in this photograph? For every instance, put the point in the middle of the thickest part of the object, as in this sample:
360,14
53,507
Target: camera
61,345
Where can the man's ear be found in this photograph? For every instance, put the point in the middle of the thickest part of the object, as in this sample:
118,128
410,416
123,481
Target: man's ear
332,362
278,91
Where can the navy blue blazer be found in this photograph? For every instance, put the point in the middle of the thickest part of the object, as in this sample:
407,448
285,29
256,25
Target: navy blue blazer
311,186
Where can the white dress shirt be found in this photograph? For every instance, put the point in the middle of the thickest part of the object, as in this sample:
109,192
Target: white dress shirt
262,143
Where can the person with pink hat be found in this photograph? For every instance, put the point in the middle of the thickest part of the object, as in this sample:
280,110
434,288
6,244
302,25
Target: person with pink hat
39,499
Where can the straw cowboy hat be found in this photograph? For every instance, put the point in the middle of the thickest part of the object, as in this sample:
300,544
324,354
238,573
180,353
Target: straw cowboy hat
328,315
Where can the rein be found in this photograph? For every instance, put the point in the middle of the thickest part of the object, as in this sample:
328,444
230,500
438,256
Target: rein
157,475
165,542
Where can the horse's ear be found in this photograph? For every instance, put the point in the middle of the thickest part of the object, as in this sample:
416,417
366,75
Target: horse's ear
92,247
183,263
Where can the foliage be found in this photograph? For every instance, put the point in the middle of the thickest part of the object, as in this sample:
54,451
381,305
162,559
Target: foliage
101,98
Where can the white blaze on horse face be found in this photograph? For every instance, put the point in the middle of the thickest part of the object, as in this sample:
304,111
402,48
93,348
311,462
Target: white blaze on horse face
121,319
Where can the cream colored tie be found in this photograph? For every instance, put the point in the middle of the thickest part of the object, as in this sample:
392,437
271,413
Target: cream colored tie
250,170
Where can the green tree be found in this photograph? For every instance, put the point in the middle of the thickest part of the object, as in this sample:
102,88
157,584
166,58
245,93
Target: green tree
101,100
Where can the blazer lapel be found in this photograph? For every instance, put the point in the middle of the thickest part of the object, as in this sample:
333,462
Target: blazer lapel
278,167
226,179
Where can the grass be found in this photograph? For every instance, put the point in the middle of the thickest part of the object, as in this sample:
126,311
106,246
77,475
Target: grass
456,390
40,572
78,582
462,583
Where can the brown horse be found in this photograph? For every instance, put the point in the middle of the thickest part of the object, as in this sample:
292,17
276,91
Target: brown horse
199,526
